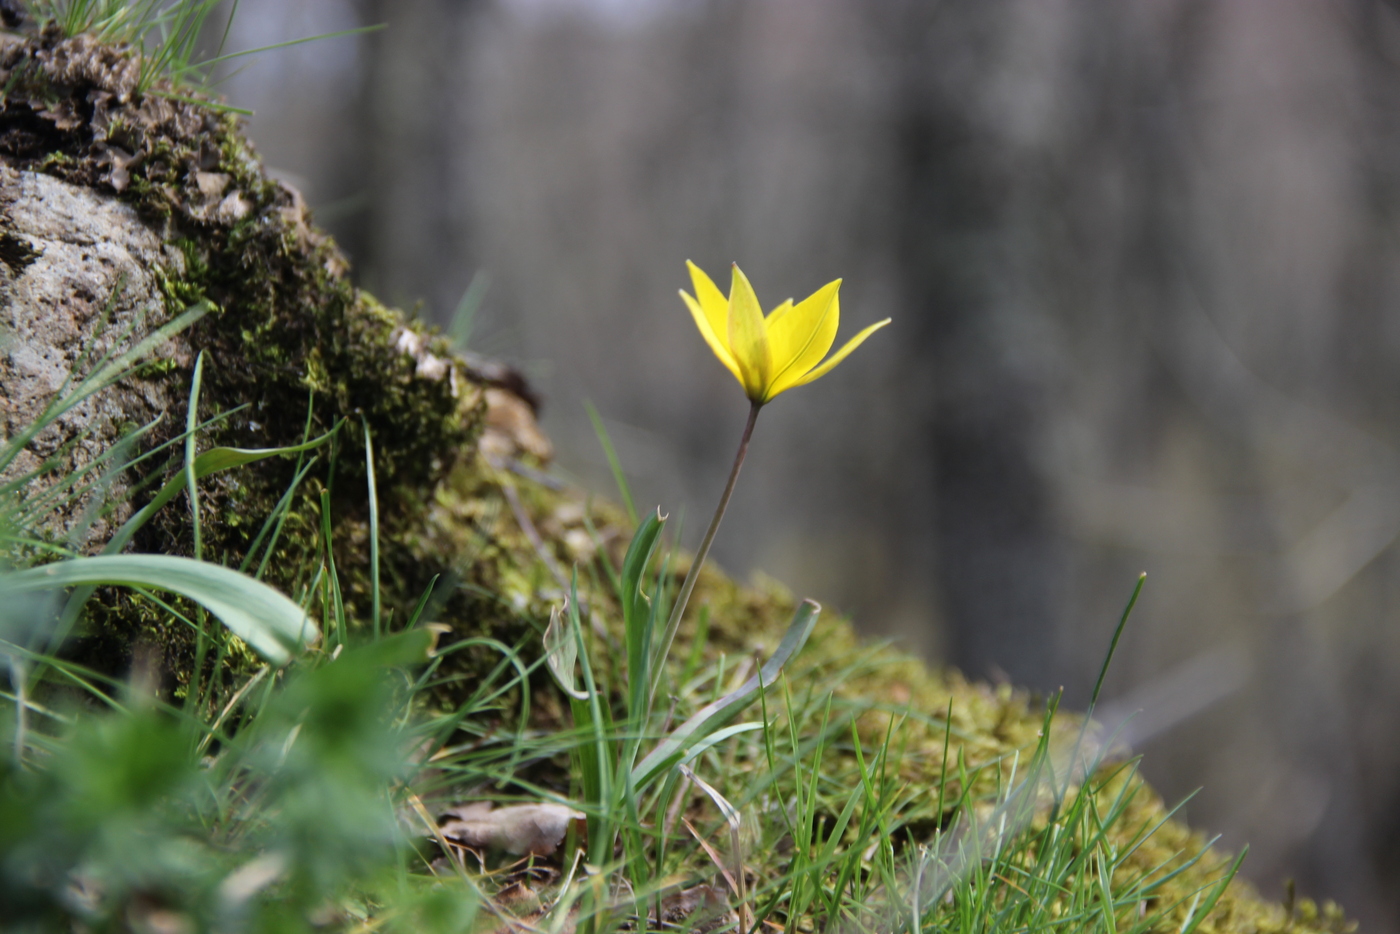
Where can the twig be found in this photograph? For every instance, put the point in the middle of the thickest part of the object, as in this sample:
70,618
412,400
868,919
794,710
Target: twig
228,708
713,854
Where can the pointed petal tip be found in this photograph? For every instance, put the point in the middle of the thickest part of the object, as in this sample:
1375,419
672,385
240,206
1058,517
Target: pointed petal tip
829,364
748,335
718,345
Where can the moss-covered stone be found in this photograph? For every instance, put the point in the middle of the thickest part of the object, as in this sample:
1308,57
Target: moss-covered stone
289,334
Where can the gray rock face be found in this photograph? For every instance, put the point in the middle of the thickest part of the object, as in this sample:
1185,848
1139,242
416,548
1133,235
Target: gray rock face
80,276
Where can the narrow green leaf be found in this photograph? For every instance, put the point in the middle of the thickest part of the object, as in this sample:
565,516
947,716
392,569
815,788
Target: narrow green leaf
194,695
274,626
714,739
593,716
459,329
561,652
718,714
422,605
211,461
1209,906
637,614
375,608
333,576
613,462
106,374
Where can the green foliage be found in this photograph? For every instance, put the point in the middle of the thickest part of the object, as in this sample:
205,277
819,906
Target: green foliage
464,317
289,799
269,804
261,804
167,34
605,757
292,820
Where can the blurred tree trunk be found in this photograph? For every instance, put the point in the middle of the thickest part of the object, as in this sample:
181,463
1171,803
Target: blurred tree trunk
1076,193
409,243
997,549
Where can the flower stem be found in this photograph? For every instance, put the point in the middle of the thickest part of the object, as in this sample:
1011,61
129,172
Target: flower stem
674,622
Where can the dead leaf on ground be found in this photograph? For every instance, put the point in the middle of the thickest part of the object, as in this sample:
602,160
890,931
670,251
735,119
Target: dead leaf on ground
518,829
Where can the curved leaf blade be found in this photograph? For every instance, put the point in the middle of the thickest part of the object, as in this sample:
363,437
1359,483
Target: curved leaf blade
274,626
211,461
561,652
707,720
637,613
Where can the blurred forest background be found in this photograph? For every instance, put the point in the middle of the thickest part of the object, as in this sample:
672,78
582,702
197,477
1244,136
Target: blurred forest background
1143,260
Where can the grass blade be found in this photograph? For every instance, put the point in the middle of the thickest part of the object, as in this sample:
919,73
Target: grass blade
274,626
375,608
211,461
718,714
610,452
639,615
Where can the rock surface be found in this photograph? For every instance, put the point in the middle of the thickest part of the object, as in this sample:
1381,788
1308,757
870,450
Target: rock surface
80,282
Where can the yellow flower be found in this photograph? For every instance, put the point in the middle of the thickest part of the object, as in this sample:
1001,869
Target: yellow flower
769,355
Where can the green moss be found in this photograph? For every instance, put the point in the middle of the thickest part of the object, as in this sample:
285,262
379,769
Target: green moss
511,591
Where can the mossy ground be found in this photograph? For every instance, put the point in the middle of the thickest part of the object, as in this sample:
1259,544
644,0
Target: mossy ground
291,334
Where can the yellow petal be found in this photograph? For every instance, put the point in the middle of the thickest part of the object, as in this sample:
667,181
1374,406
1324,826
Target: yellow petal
702,322
748,339
841,354
712,300
776,314
800,339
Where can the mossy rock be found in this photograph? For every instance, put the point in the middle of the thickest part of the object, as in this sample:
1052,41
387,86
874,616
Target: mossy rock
291,342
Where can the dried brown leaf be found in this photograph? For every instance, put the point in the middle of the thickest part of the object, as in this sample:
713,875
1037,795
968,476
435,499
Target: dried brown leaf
518,829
